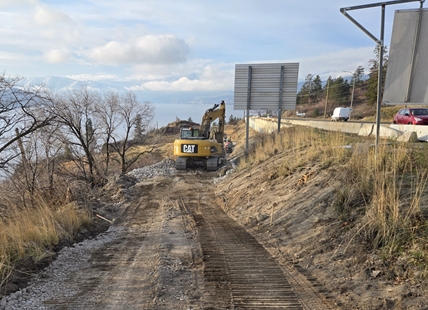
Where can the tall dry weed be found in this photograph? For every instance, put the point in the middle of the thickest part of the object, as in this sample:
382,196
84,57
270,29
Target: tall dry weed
396,183
32,232
307,145
381,187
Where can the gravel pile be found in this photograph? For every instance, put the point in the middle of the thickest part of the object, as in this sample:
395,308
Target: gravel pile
165,167
51,283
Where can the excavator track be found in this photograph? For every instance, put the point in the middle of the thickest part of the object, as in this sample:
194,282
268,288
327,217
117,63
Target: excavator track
212,163
238,272
181,163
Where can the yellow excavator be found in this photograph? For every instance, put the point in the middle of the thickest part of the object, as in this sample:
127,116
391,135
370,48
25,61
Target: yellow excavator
204,143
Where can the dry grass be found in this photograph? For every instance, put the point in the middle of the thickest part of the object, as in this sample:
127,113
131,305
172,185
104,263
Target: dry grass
306,145
32,232
381,191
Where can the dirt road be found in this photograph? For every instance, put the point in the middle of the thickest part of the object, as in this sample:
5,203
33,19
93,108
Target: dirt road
173,247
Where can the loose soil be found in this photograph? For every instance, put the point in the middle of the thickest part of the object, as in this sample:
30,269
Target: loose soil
247,239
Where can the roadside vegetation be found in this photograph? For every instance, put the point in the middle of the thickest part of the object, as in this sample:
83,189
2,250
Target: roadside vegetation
56,152
29,233
382,196
317,98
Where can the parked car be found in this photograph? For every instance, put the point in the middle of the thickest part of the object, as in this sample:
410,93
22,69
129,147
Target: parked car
411,116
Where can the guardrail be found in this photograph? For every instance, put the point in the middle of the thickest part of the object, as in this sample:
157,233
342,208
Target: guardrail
404,133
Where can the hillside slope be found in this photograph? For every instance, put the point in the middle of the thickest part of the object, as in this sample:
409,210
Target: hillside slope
294,218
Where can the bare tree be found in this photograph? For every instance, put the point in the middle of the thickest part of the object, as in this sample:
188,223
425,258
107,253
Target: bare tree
107,111
130,111
76,113
34,174
22,112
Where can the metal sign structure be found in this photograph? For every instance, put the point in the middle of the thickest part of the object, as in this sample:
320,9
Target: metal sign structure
407,75
268,86
380,43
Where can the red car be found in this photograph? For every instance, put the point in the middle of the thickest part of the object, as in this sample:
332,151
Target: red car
412,116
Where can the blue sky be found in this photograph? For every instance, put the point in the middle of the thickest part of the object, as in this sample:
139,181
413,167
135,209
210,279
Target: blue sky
183,46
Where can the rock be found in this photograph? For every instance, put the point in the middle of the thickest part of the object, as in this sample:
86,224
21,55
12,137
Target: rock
375,273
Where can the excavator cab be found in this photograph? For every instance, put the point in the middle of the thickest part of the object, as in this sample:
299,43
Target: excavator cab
189,133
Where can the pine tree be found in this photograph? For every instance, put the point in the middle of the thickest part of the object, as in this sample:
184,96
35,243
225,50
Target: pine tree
305,94
372,82
138,129
358,75
316,89
90,134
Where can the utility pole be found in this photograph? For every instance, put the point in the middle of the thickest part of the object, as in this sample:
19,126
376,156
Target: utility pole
326,99
353,88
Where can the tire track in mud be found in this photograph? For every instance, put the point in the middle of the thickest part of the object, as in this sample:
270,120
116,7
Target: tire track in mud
151,264
176,249
238,272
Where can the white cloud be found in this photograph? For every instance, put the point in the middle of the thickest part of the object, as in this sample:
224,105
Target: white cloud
211,78
45,16
335,63
56,56
160,49
10,56
15,3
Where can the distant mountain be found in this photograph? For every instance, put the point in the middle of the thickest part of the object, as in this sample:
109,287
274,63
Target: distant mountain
61,84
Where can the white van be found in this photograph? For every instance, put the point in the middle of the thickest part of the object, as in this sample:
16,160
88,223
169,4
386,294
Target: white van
341,114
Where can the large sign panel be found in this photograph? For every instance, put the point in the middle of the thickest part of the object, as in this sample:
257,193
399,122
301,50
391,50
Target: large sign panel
407,73
266,86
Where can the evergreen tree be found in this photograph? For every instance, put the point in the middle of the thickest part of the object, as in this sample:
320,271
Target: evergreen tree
316,91
341,90
328,84
358,76
234,120
90,134
338,90
372,82
305,93
68,154
138,128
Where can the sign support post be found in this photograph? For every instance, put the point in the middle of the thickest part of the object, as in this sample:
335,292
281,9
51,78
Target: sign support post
247,123
281,87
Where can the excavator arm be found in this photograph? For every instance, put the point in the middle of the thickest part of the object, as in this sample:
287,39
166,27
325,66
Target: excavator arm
218,111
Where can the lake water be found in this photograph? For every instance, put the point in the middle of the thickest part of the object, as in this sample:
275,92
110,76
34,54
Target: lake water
166,113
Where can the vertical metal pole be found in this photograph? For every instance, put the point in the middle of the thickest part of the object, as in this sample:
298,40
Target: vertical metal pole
326,98
352,96
281,86
380,75
247,125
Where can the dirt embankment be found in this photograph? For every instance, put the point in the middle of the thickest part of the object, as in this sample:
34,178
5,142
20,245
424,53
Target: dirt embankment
293,217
